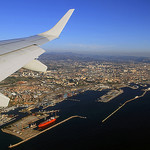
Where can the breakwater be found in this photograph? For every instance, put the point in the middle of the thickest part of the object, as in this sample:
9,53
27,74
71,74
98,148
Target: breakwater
136,97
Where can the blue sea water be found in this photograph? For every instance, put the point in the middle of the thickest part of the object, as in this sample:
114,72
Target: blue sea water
128,129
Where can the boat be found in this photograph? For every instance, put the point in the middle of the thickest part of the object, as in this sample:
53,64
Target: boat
47,123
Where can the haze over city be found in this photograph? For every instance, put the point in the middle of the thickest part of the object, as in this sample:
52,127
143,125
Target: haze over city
110,27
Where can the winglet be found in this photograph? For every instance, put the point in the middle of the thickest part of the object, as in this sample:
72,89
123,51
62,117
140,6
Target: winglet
57,29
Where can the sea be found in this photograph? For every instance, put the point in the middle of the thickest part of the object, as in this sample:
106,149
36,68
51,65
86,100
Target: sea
128,129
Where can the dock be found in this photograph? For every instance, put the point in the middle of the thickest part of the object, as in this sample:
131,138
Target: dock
110,95
75,100
40,132
136,97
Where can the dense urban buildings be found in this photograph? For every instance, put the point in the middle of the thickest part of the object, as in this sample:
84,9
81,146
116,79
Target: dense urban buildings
69,74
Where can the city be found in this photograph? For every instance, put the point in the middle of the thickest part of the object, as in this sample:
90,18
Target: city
67,77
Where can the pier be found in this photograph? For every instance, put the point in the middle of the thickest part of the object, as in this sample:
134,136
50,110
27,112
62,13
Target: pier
11,146
136,97
110,95
75,100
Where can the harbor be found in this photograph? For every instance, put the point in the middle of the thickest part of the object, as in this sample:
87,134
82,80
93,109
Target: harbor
34,133
26,128
28,125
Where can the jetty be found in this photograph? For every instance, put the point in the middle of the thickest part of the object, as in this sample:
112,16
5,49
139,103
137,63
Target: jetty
136,97
71,99
40,132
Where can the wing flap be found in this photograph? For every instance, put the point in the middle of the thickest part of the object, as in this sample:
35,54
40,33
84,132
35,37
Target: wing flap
36,65
11,62
3,100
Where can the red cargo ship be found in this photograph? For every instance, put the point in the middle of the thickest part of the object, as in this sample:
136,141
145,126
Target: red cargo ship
47,123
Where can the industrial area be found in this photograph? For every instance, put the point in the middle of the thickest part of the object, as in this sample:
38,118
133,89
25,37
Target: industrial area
26,126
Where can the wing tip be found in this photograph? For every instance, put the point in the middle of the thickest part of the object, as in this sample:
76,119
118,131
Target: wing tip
72,10
57,29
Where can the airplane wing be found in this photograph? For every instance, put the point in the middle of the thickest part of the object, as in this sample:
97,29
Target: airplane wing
23,52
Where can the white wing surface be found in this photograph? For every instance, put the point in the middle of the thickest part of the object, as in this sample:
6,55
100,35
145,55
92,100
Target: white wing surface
18,53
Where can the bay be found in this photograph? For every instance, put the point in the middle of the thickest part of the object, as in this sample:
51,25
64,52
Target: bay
125,130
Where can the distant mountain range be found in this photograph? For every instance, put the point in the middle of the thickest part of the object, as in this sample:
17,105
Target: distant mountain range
69,56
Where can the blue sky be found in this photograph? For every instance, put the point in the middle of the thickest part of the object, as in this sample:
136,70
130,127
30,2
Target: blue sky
96,26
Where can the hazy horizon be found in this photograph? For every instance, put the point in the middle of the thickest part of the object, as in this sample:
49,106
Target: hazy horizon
104,53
